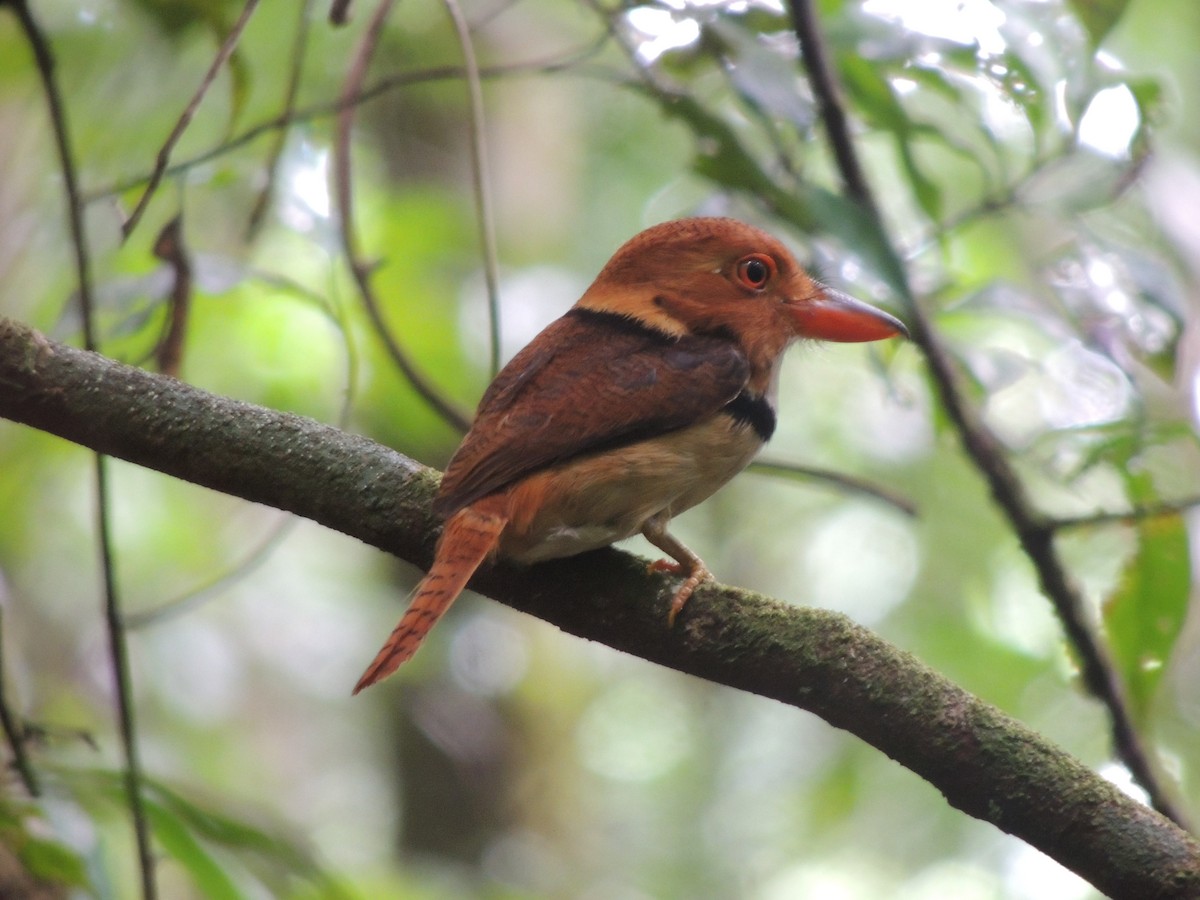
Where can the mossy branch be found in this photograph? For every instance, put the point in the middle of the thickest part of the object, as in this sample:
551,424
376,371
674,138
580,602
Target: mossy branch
985,763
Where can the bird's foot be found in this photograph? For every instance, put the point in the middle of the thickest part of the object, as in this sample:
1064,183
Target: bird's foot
683,562
697,573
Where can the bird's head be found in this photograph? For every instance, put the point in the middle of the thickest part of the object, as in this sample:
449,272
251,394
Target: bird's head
714,276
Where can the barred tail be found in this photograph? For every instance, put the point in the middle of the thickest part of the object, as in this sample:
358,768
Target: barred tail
470,535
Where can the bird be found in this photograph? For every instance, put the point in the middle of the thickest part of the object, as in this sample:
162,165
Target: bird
645,397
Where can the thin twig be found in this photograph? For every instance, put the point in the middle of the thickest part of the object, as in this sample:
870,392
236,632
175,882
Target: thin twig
116,634
343,190
480,180
1036,537
299,50
1013,193
164,154
1128,517
14,732
58,121
119,654
839,479
198,596
381,88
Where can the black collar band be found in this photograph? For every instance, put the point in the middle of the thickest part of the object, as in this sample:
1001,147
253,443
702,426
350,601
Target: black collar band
756,412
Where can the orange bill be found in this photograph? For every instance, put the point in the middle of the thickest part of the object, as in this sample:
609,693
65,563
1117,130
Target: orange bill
834,316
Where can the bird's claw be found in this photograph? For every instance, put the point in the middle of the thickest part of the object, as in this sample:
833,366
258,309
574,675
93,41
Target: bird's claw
668,566
696,576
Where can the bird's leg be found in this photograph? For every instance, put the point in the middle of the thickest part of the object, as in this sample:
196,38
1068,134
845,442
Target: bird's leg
686,563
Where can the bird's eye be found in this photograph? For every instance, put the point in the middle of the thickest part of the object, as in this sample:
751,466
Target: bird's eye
755,270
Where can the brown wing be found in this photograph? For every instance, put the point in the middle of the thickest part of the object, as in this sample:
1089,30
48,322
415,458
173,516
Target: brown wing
590,381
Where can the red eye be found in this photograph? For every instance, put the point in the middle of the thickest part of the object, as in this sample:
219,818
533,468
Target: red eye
755,270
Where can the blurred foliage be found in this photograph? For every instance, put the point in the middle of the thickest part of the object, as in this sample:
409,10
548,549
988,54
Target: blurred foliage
1037,167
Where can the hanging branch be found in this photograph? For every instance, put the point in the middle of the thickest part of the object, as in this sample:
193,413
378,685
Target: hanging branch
344,192
118,651
1035,535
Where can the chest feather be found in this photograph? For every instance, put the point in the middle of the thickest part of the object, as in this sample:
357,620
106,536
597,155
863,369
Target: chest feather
592,501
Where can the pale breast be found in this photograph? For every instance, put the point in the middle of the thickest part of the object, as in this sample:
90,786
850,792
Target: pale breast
595,500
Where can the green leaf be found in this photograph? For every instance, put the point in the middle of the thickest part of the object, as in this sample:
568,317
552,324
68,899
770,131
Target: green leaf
1098,16
227,831
872,94
862,235
938,81
176,16
45,859
289,859
1145,615
52,862
877,101
763,76
190,833
1148,94
176,837
1022,84
240,76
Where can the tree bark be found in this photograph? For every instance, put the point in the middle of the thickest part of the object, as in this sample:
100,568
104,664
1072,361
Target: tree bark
985,763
